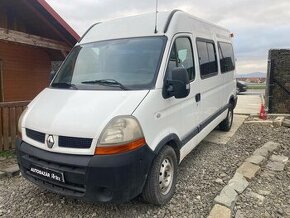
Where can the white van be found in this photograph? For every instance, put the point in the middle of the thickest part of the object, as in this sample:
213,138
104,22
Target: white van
127,105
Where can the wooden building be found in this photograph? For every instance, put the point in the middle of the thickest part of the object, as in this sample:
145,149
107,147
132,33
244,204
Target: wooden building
32,36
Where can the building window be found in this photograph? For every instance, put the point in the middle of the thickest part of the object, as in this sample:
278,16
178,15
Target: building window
207,58
227,59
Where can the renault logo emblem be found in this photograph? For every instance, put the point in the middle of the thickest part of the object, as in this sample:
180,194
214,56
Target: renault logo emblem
50,141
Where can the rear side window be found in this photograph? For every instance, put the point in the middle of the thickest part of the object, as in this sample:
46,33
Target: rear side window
207,58
227,59
181,55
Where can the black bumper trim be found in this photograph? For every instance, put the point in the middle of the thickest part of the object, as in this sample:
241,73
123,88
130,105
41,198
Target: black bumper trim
104,178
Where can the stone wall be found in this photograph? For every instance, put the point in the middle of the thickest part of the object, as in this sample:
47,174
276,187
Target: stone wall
278,81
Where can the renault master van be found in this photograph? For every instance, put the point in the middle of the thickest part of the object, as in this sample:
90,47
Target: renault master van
130,101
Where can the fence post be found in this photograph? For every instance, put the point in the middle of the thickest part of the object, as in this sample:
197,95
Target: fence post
9,115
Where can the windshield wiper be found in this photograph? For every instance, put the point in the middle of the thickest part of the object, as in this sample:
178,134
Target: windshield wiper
64,85
107,82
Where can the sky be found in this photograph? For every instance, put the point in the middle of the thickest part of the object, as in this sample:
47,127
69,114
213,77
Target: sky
258,25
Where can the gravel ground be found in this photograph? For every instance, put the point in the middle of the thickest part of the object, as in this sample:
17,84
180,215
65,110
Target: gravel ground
6,162
273,188
196,188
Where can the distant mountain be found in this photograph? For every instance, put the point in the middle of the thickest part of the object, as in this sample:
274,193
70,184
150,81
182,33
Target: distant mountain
252,75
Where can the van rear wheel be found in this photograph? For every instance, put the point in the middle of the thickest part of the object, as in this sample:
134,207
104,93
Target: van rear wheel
227,123
161,180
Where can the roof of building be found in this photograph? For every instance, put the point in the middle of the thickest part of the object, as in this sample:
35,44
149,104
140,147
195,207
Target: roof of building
36,17
56,18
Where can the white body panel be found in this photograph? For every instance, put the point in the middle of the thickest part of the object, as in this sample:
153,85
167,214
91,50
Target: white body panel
127,27
185,150
79,113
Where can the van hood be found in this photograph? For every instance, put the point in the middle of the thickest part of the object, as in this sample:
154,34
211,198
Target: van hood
79,113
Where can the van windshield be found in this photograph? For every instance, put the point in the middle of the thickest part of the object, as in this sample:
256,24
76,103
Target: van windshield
125,64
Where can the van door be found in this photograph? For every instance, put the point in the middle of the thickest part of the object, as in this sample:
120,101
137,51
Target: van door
227,67
181,55
210,81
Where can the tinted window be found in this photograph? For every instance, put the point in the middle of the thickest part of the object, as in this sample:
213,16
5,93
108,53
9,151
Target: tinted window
207,58
202,53
211,55
181,56
227,60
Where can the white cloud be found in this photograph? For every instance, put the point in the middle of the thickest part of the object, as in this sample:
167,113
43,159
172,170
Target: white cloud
259,25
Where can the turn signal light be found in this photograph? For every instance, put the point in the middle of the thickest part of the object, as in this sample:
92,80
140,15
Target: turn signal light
107,150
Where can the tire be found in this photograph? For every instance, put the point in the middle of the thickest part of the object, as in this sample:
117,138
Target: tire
163,173
227,123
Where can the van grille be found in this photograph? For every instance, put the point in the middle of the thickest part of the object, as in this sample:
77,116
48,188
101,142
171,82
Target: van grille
72,142
35,135
63,141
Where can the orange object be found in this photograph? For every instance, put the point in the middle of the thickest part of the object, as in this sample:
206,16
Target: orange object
120,148
263,114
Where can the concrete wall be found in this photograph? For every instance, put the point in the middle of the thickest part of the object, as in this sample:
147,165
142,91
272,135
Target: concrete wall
278,81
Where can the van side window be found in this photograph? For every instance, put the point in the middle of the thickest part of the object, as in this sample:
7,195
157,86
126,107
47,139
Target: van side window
207,58
181,55
227,59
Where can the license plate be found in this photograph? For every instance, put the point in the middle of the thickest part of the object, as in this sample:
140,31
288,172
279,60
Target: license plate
47,173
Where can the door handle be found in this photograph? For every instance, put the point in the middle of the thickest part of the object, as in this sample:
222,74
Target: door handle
197,97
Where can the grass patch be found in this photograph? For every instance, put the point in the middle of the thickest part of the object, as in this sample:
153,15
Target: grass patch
254,86
7,154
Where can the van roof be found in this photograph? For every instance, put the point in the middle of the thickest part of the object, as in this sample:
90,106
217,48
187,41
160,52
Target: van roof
168,23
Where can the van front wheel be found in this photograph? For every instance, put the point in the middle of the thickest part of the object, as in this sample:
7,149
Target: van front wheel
161,180
227,123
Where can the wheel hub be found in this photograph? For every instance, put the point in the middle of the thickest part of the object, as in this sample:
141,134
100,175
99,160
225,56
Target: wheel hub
166,176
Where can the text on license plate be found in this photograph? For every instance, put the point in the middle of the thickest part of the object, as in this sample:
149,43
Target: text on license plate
47,173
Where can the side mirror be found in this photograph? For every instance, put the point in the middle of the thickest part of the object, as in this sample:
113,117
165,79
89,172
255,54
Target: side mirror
178,85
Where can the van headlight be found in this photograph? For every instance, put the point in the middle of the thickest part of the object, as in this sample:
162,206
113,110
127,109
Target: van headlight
20,123
122,134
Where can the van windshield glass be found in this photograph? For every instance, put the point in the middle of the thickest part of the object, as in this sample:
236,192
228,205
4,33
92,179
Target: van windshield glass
125,64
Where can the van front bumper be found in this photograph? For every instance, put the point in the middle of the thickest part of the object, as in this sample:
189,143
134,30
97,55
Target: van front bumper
103,178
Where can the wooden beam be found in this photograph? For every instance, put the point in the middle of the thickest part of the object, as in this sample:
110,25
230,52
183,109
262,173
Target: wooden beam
28,39
64,53
45,20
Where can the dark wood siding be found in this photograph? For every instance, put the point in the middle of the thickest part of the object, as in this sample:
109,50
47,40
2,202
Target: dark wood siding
25,71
